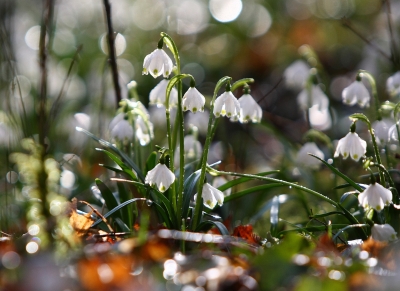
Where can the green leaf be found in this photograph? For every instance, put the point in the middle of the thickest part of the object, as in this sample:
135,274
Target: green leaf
251,190
241,82
124,168
108,196
209,223
345,195
238,181
340,174
122,225
109,145
112,211
168,206
127,212
189,189
151,161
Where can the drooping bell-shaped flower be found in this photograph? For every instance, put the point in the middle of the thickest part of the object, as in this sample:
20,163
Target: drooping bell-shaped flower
381,129
120,128
375,196
227,105
383,232
158,95
308,98
296,74
319,119
393,135
393,84
356,93
144,130
304,159
219,181
160,176
249,108
157,63
211,196
351,145
193,100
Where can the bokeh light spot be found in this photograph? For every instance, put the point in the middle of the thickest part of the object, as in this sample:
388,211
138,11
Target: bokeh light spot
225,10
32,247
11,260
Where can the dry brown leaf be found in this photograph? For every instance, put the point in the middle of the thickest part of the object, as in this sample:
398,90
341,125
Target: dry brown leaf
80,223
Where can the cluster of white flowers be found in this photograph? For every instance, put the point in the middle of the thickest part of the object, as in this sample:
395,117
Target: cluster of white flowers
245,109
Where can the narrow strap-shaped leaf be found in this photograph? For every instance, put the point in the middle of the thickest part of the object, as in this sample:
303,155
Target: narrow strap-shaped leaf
167,204
151,161
109,145
189,190
345,195
251,190
309,229
124,168
108,196
268,205
238,181
122,225
119,171
127,212
340,174
112,211
206,224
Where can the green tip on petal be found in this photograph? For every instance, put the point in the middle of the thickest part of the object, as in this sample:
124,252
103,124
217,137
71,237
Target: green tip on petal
155,72
209,203
355,157
162,188
194,109
378,208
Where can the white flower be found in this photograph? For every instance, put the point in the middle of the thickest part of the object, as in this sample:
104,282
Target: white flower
383,232
226,104
304,159
393,134
219,181
158,94
144,130
211,196
193,150
353,145
296,74
393,84
356,93
160,176
157,63
317,98
381,129
375,196
249,109
193,100
120,128
319,119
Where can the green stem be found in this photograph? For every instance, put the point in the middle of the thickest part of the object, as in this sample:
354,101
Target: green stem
371,80
181,152
363,118
199,203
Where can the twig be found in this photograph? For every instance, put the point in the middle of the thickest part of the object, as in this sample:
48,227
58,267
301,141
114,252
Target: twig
46,21
393,46
53,110
270,91
111,51
347,23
